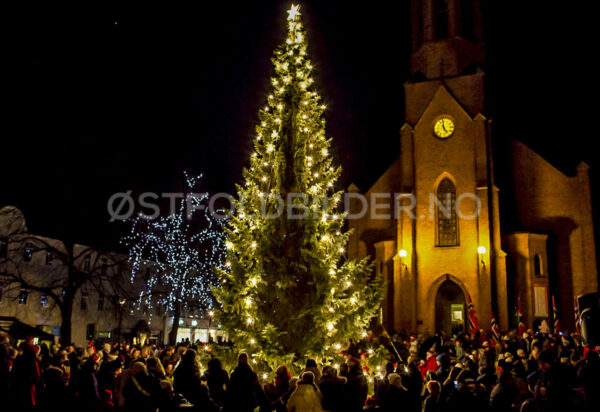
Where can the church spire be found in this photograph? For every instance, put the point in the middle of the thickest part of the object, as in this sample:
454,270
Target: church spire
447,37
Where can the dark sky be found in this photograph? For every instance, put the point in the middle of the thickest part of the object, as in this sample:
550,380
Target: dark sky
115,97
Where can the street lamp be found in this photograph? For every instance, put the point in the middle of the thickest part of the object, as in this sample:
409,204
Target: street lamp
210,316
481,250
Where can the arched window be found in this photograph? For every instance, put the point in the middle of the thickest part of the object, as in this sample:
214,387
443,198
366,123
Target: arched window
447,223
537,265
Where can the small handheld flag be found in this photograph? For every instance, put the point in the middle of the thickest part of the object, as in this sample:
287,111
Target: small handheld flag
473,321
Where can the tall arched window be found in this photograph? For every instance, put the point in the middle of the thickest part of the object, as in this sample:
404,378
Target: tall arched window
447,223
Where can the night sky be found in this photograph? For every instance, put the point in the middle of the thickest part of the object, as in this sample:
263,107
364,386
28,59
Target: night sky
116,97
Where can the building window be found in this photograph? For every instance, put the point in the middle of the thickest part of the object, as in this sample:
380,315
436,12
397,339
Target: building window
467,18
49,258
447,223
28,252
90,331
83,302
537,265
3,248
44,300
100,301
440,19
23,297
87,263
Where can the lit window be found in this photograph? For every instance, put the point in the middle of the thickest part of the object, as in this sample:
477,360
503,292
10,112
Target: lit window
447,223
28,252
44,300
23,297
49,258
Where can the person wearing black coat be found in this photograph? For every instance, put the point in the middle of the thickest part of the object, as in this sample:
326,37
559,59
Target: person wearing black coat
332,389
217,380
396,397
89,393
356,388
244,392
187,382
138,390
53,386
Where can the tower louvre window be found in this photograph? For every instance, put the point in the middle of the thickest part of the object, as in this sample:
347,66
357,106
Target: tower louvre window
447,223
537,265
467,17
440,19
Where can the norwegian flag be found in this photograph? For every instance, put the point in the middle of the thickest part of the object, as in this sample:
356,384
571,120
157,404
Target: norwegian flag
495,329
522,328
555,316
473,322
576,311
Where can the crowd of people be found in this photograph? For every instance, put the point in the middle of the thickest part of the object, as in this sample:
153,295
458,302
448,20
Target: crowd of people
527,373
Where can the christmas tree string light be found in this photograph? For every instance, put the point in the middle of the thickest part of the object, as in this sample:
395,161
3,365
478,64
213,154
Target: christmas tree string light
285,292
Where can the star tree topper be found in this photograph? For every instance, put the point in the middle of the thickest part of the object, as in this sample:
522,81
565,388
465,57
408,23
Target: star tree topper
293,12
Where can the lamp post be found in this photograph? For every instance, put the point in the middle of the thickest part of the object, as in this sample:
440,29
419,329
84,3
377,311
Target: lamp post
210,316
481,251
402,253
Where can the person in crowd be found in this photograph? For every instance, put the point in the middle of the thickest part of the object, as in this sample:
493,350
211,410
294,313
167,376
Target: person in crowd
217,380
278,393
244,392
137,391
356,387
306,397
396,398
53,385
26,376
89,392
332,390
311,366
187,381
433,403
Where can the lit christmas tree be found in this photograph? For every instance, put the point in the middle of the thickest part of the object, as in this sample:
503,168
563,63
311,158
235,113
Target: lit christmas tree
286,291
182,250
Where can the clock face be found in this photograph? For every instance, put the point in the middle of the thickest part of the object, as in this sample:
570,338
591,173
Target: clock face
443,127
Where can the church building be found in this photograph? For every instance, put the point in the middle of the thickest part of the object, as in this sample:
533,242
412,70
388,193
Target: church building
500,228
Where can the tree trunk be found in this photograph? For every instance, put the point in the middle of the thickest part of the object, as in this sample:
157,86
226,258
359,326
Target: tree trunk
175,327
66,313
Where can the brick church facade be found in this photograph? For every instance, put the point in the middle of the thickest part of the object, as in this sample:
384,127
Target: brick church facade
501,227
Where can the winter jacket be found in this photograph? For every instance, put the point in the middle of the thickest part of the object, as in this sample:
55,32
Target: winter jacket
244,392
332,390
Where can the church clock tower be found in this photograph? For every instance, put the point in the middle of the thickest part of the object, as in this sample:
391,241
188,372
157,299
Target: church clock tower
443,249
452,241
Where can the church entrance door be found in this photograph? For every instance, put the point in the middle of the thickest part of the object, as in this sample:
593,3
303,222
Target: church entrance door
450,308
